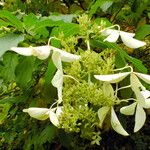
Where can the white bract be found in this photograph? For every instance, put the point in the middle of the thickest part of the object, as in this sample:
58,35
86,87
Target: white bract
103,111
142,99
43,52
126,37
112,78
45,113
57,57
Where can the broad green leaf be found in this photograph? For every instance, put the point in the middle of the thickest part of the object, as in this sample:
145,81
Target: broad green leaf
9,40
4,108
6,15
3,23
143,31
29,22
99,3
137,63
49,72
47,23
124,56
10,61
69,29
48,133
24,71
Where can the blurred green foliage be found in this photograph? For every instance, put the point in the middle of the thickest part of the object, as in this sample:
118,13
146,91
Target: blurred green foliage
26,81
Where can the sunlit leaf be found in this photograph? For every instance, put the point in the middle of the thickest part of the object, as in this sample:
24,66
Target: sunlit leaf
9,40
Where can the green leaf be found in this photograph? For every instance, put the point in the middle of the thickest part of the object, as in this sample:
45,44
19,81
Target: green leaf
47,23
143,31
10,62
66,18
3,23
9,40
4,108
50,72
47,134
99,3
137,64
106,5
24,71
69,29
29,22
15,22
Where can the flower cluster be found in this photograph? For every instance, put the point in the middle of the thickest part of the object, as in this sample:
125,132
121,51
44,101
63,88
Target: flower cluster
43,52
141,101
84,94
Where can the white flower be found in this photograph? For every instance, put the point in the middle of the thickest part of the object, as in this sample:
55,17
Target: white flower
142,97
112,78
115,123
43,52
103,111
57,57
38,113
142,101
126,37
45,113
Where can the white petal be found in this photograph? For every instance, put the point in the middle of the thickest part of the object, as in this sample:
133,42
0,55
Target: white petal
102,112
112,78
128,110
136,86
131,42
113,37
147,103
57,82
22,50
145,93
42,52
106,32
53,118
57,60
108,89
38,113
65,56
128,33
59,111
144,77
140,118
116,125
135,82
